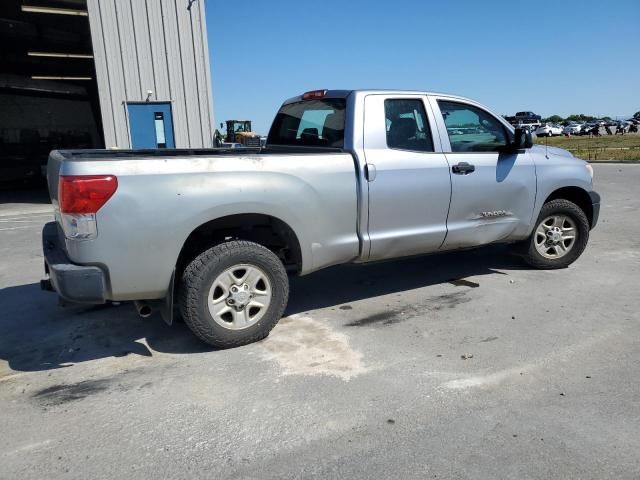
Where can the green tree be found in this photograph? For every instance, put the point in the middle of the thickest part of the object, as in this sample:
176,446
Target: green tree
580,117
553,119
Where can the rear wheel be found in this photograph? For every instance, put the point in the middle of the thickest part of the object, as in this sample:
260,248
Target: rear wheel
234,294
559,237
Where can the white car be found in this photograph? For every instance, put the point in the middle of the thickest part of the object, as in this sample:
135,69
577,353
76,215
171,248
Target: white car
548,130
572,129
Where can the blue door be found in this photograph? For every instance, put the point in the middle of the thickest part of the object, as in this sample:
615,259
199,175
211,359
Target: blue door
151,125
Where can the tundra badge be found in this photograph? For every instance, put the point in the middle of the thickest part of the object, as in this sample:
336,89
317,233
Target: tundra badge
495,213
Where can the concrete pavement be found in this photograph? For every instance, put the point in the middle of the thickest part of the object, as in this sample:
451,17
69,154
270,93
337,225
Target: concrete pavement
465,365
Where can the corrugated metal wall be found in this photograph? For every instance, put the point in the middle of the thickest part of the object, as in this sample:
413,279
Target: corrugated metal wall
158,45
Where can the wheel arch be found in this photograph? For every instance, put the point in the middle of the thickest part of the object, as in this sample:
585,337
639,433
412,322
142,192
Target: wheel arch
267,230
577,195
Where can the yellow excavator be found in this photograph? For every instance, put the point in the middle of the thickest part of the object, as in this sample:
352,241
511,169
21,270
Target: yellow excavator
239,131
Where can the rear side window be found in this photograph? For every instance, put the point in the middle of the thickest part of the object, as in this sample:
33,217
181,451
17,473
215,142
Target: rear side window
407,125
310,123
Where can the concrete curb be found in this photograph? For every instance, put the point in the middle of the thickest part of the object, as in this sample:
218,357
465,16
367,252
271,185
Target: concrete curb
620,162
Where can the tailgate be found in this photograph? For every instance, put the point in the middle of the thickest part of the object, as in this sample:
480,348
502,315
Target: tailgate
53,173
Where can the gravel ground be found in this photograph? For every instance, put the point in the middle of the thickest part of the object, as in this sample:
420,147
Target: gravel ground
465,365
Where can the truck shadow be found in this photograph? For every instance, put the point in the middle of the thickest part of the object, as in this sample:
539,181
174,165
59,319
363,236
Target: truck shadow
349,283
36,334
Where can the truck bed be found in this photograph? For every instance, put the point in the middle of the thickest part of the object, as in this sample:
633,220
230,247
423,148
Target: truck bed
163,196
101,154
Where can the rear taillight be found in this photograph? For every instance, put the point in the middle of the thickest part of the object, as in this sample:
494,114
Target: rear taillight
79,198
85,193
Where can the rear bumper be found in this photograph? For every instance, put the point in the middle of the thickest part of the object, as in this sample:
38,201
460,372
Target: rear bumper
595,203
74,283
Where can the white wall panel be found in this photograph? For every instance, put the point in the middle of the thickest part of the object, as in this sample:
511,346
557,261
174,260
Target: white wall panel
158,50
203,75
157,45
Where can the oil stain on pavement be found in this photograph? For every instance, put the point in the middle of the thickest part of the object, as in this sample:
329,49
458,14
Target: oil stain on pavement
463,282
60,394
385,318
434,304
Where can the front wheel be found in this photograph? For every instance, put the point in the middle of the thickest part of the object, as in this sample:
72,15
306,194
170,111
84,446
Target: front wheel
234,294
559,237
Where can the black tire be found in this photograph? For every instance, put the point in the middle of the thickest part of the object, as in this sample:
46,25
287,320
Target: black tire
560,206
199,276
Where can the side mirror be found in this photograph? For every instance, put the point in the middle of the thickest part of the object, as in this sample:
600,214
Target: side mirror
522,139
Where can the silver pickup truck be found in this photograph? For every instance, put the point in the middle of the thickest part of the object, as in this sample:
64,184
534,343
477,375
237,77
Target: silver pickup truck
346,176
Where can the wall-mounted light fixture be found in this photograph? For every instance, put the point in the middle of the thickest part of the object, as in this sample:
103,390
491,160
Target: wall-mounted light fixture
59,55
55,11
51,77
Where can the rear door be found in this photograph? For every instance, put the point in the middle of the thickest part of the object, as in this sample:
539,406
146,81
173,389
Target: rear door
408,177
493,191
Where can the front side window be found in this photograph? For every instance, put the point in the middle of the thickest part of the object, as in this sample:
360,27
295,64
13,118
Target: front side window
310,123
407,125
471,129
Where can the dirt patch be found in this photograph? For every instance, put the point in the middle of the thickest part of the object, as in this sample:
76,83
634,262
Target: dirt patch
304,346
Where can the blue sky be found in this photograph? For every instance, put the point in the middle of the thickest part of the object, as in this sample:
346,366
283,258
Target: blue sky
563,57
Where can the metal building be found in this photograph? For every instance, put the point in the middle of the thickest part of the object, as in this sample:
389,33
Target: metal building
152,67
101,74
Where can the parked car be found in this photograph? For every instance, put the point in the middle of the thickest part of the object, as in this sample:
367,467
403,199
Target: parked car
572,129
548,130
590,128
622,127
521,119
346,177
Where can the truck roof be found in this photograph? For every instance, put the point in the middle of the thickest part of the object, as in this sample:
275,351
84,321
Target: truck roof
346,93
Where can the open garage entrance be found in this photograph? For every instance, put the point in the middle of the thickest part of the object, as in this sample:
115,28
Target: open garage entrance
48,89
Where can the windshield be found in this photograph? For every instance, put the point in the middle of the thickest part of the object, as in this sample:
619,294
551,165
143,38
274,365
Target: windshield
310,123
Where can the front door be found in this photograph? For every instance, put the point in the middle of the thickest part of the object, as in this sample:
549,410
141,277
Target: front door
151,125
493,190
408,177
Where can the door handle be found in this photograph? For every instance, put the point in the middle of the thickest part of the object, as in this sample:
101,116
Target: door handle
370,172
463,168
